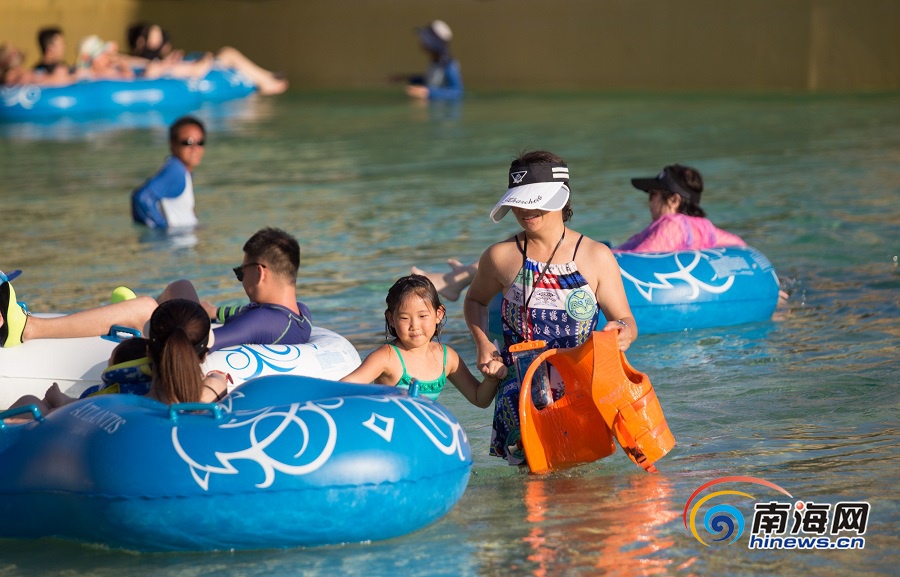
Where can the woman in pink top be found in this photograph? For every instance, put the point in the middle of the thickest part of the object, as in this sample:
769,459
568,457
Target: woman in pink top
678,221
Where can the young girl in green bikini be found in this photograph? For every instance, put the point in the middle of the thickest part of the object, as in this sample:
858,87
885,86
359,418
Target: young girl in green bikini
413,318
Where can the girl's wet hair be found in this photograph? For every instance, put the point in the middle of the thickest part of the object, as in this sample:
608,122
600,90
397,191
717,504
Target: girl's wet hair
414,284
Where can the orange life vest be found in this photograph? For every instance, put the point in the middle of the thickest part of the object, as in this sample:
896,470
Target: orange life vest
604,397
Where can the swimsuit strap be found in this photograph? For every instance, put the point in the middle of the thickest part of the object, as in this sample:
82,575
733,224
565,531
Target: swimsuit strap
402,364
577,244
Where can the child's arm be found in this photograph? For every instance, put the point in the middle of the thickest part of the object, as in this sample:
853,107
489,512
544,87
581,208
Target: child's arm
479,394
375,369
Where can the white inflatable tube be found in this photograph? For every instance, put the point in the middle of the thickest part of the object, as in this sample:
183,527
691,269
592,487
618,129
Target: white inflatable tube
76,364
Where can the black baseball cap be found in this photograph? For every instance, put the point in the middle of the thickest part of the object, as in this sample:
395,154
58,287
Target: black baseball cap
673,178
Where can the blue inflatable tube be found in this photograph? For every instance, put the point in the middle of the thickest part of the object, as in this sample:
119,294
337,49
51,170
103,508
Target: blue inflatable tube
691,289
283,461
32,102
697,289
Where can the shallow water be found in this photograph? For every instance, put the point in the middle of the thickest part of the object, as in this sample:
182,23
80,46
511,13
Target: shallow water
372,184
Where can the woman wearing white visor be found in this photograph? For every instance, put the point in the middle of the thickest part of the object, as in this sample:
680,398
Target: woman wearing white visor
555,283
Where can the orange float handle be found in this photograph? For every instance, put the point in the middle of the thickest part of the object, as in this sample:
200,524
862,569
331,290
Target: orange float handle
525,382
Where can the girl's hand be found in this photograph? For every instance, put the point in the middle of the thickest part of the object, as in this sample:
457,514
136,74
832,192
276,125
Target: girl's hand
490,363
492,371
626,334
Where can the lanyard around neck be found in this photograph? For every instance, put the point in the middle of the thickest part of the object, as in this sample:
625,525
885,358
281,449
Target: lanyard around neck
539,278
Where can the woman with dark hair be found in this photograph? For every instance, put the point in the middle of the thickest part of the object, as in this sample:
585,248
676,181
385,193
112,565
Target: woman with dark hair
555,284
180,336
678,221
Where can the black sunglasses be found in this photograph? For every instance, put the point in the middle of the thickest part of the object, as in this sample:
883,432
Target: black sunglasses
239,270
192,142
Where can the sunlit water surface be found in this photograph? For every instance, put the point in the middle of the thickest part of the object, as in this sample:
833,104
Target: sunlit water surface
371,184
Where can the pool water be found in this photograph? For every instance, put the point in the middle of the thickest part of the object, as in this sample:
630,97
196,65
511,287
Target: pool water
372,184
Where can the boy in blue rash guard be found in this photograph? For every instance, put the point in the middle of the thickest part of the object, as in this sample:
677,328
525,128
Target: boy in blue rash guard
166,200
268,274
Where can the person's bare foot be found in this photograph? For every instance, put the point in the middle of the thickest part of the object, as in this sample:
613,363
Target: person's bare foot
450,285
202,67
55,398
273,86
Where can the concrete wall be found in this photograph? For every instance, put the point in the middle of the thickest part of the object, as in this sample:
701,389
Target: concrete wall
759,45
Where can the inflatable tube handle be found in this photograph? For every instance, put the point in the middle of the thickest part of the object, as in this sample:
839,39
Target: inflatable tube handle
214,408
116,331
9,276
33,409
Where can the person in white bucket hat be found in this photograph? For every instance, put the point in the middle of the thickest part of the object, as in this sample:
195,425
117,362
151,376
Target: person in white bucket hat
443,79
99,60
556,285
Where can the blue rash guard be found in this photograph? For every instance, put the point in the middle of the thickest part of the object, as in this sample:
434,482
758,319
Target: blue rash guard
165,200
444,80
261,324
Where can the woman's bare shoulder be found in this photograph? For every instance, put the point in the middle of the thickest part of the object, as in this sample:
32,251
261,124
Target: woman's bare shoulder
500,251
596,247
594,257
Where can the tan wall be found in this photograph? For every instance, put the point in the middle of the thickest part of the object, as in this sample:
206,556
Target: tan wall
794,45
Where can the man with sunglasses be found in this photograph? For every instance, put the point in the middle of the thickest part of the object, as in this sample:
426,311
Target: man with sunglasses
166,200
268,274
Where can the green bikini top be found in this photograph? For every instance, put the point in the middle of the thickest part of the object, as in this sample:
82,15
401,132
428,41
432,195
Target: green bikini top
430,389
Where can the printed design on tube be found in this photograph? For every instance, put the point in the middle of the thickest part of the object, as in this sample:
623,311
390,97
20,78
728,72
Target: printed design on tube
248,363
300,438
667,270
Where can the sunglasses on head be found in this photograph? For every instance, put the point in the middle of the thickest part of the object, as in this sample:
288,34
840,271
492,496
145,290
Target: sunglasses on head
192,142
239,270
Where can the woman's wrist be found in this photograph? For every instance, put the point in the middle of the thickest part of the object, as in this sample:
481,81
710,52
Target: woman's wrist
220,374
485,347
